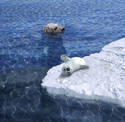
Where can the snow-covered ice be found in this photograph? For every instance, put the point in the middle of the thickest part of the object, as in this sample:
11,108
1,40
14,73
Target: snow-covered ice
104,80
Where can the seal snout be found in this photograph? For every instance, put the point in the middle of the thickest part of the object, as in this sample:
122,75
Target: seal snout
63,29
67,69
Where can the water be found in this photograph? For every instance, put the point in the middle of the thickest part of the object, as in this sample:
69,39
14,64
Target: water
26,54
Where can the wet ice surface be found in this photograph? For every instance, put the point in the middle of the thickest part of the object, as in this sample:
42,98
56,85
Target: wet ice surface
104,80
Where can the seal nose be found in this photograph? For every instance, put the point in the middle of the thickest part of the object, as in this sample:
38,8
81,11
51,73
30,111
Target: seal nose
68,69
63,29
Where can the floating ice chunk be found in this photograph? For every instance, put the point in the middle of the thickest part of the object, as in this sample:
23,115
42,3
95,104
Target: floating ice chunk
104,80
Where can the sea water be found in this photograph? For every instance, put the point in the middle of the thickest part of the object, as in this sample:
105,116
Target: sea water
26,54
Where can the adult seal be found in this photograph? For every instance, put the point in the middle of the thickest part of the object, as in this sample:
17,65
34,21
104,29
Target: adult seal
53,28
72,64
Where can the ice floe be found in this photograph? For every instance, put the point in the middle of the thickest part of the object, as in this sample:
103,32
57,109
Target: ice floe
104,80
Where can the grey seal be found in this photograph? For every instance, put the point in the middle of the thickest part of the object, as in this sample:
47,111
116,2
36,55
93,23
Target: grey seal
53,28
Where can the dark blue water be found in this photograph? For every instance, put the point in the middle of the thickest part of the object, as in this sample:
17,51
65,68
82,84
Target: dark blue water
26,53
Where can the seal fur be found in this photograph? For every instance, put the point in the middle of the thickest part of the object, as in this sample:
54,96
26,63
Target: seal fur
72,64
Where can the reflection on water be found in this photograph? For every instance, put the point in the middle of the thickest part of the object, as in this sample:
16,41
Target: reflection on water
55,49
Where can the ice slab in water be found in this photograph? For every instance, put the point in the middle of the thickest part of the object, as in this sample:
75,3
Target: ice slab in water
104,80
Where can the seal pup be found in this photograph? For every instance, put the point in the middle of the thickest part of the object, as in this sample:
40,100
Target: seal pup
72,64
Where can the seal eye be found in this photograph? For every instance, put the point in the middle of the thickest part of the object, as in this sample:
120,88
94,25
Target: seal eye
64,69
68,69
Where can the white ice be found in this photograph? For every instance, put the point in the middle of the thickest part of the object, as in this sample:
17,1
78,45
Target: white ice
104,80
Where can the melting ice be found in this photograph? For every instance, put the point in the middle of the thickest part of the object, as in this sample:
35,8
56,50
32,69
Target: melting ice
104,80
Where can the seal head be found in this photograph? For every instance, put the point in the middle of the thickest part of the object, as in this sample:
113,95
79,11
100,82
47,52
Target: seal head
53,28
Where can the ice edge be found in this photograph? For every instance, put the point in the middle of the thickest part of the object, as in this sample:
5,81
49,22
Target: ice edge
104,80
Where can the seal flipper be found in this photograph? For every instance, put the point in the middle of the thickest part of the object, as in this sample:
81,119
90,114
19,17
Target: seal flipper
64,58
84,66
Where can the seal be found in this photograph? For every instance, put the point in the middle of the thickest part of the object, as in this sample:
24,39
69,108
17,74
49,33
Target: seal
72,64
53,28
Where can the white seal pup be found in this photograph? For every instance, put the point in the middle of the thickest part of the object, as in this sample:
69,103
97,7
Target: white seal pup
53,28
72,64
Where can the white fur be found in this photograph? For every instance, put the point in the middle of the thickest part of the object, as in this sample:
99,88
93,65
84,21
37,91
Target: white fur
64,58
72,64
